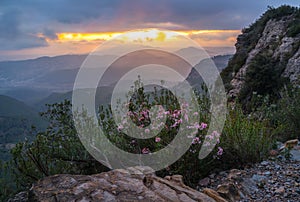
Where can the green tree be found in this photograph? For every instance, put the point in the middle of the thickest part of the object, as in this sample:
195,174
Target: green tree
55,150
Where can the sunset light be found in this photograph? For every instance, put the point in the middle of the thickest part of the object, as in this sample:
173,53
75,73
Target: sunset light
150,34
86,36
142,100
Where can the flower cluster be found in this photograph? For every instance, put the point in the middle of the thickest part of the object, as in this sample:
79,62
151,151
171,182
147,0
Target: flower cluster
165,124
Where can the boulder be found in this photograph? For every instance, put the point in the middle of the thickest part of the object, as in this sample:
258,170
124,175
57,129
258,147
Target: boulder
229,191
213,194
132,184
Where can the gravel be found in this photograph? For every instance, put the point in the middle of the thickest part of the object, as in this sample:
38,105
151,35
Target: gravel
272,180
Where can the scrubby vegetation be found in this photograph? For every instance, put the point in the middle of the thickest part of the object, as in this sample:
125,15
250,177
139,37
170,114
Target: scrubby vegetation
287,114
264,78
267,110
244,140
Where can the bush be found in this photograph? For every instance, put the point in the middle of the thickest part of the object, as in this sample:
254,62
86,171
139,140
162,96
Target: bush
56,150
8,187
262,77
287,114
294,28
245,140
188,165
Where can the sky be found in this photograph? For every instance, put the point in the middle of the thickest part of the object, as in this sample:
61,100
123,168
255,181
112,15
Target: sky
34,28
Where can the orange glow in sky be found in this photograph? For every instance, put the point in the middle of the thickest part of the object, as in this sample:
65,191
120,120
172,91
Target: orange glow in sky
86,36
84,43
149,34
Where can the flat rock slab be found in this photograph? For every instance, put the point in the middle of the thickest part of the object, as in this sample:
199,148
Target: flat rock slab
133,184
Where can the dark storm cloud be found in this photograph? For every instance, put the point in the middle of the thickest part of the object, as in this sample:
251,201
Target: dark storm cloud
9,24
22,42
197,14
12,37
50,34
24,20
75,11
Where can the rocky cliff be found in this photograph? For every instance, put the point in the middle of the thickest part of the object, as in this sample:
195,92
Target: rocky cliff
267,54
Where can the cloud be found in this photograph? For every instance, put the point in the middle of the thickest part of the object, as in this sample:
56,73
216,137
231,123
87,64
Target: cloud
163,25
50,34
12,37
22,21
215,35
24,42
9,24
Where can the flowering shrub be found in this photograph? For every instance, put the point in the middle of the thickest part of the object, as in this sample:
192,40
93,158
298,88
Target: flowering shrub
58,149
163,113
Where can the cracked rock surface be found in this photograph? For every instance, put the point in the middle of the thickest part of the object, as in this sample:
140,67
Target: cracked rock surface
132,184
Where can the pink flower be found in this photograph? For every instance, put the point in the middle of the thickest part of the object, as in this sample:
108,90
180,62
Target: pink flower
147,130
216,135
220,151
177,122
203,125
197,126
157,139
120,127
167,112
145,150
145,113
196,140
174,125
206,144
176,113
186,117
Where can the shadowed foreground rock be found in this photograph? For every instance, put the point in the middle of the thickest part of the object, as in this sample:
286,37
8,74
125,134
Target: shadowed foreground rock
132,184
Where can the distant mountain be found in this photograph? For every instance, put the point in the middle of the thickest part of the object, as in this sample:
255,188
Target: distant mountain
50,73
33,80
192,54
220,62
10,107
23,72
189,51
28,95
103,95
211,51
214,51
16,119
53,98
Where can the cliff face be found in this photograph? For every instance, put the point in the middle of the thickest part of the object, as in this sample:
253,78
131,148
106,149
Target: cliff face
267,52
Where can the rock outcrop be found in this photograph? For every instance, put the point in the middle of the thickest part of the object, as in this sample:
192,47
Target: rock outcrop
292,69
274,33
270,37
132,184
